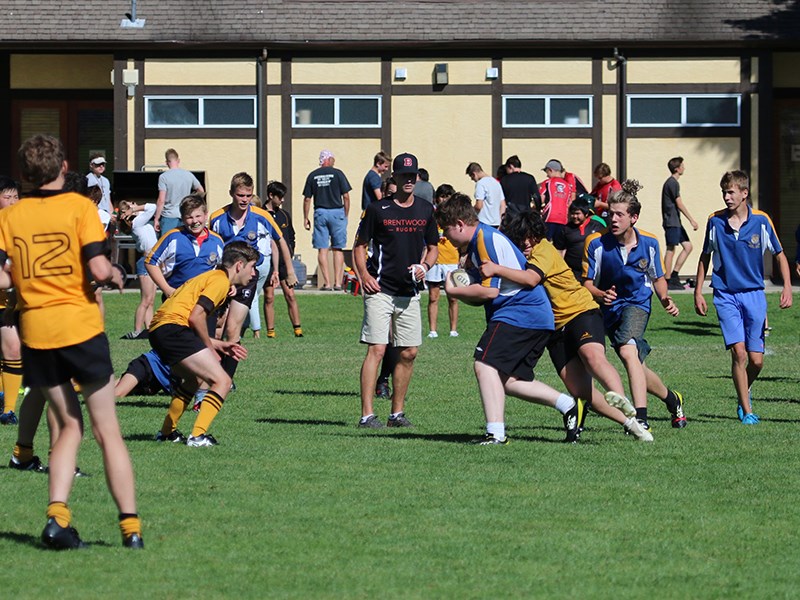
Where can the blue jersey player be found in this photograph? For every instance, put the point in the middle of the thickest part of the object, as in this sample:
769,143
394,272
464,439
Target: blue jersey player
519,322
622,269
738,237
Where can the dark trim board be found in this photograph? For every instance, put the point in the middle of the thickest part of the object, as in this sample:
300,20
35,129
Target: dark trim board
286,137
120,116
60,94
201,134
199,90
138,121
677,132
547,133
5,110
351,133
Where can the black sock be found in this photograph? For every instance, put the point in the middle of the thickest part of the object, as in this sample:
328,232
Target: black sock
674,275
671,401
641,414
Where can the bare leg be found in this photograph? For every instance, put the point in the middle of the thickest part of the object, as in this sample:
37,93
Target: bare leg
402,377
125,385
144,312
291,303
338,266
686,249
629,355
669,254
269,306
433,306
322,265
452,309
369,376
493,395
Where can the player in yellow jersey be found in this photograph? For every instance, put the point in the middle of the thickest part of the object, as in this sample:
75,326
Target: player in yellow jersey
56,244
577,346
9,334
179,333
446,262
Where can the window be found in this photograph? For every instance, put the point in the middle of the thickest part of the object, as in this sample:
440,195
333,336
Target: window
336,111
200,111
706,110
547,111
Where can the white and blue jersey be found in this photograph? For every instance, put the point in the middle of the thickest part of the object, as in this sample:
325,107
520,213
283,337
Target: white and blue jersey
738,256
180,255
256,230
632,275
517,305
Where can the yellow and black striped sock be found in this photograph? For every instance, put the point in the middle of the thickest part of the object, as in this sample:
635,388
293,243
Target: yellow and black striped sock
23,453
60,512
270,332
12,381
212,404
177,407
130,524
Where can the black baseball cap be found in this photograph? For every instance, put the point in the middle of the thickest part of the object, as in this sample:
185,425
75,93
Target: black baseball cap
405,163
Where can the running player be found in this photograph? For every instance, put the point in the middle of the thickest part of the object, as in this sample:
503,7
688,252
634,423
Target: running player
623,268
9,335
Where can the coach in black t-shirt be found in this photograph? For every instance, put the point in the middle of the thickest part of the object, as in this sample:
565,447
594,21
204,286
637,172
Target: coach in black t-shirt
405,241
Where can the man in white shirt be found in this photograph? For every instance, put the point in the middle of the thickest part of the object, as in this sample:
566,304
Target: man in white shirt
97,167
490,202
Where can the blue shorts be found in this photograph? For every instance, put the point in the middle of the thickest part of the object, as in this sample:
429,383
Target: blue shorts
629,329
675,235
742,317
330,228
140,270
168,223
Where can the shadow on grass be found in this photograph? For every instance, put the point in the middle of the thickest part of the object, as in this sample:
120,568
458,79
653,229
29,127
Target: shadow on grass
763,419
34,541
316,393
303,422
692,329
140,437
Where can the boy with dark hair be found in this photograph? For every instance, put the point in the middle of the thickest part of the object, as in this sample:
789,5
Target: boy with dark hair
276,191
519,322
622,269
180,334
738,236
446,262
62,333
672,206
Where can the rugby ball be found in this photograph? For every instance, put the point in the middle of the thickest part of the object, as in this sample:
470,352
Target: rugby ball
461,278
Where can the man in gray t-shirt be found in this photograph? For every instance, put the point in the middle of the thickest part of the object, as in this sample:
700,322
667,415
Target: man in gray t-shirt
173,186
671,208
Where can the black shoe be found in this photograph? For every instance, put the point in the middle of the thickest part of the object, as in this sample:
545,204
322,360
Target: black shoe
33,464
571,425
56,537
133,541
176,437
678,417
382,390
488,439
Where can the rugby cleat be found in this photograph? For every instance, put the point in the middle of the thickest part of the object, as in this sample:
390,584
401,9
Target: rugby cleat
488,439
133,541
634,428
620,402
751,419
56,537
382,390
176,437
33,464
8,418
201,441
678,417
571,425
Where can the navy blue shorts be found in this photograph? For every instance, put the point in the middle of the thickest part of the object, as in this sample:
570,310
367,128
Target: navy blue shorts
675,235
513,351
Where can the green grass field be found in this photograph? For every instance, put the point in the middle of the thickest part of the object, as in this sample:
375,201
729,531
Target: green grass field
297,502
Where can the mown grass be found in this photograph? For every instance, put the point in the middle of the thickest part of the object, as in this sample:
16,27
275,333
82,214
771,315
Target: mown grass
297,502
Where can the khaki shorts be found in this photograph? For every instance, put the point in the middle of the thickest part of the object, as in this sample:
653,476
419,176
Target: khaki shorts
394,320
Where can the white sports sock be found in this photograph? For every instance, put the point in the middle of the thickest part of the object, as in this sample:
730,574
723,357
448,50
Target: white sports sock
564,403
364,419
393,416
498,430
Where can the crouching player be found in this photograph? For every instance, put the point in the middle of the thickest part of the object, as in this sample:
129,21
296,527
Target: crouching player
519,323
180,334
577,347
56,243
738,237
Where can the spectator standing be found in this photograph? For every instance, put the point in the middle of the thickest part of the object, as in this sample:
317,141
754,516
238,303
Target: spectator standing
519,188
571,239
424,188
173,186
557,194
329,189
606,184
671,208
490,203
97,169
371,188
